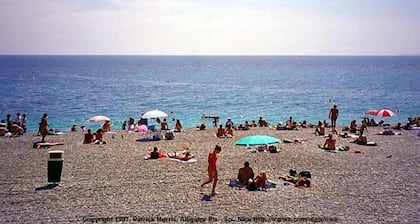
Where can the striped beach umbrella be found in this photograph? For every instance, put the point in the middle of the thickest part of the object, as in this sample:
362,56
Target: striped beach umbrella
385,113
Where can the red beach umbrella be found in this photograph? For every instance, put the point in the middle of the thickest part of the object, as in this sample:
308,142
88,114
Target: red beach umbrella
385,113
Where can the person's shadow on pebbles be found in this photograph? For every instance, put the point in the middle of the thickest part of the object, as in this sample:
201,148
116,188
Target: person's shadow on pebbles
46,187
207,197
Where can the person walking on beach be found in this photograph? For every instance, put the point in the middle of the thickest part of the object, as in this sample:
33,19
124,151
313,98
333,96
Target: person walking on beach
333,116
43,126
212,169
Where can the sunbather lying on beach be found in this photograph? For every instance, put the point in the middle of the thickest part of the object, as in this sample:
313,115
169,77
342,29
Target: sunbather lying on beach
295,140
388,131
39,145
361,140
293,178
184,156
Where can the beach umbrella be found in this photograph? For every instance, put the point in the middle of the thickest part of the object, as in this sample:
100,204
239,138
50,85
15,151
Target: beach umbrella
257,140
99,118
372,112
384,113
154,114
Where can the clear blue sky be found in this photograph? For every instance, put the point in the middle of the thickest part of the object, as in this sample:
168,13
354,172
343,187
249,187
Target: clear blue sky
210,27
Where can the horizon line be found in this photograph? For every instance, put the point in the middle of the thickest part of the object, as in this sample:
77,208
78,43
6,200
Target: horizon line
225,55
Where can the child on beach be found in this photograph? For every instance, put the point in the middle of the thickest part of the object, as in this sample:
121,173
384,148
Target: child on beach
212,169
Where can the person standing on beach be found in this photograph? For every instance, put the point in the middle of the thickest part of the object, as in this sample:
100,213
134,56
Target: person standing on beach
212,169
333,116
43,126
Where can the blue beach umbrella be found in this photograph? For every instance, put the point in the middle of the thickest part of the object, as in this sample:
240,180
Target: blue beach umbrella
257,140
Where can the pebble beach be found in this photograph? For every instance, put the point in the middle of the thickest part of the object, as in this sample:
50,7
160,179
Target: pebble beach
112,183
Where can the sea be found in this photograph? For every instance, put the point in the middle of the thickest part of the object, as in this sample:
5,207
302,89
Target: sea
71,89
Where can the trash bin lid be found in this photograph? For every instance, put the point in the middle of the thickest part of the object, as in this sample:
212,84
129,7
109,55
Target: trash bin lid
56,154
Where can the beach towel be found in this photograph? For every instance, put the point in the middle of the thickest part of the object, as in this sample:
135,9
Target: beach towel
236,184
269,184
46,144
192,160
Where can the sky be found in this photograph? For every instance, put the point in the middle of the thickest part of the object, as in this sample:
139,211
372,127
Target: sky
210,27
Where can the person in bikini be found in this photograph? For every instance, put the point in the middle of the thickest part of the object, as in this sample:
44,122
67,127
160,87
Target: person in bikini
294,178
212,169
184,156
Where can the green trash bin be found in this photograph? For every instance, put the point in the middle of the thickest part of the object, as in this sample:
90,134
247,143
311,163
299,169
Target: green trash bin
55,165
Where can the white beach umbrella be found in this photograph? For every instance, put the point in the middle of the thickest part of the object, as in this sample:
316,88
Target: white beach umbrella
154,114
99,118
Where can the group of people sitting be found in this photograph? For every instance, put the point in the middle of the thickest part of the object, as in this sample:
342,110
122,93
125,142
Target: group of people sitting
225,132
183,156
14,127
301,179
293,125
246,177
96,138
353,128
142,125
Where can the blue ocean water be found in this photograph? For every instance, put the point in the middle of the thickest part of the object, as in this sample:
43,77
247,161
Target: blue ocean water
74,88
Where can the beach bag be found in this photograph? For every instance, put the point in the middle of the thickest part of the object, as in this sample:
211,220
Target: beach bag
169,136
273,149
306,174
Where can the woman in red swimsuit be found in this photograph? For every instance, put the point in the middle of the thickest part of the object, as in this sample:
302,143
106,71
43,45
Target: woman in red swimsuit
212,169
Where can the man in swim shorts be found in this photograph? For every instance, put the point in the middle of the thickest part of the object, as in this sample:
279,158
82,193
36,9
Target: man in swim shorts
329,143
245,173
333,116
